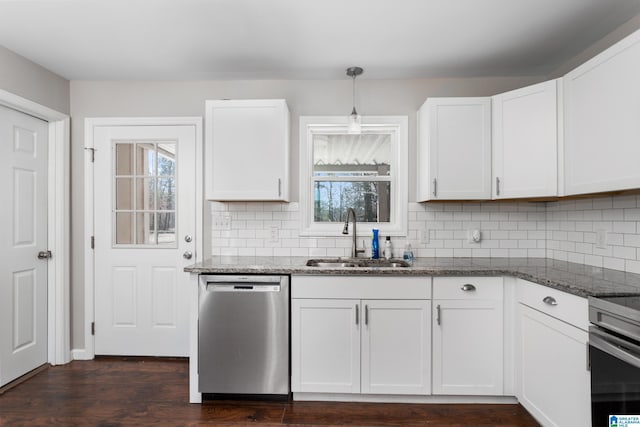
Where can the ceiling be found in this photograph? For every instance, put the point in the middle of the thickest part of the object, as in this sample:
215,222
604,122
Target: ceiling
304,39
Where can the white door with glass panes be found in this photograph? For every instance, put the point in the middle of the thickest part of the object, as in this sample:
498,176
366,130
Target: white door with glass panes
23,235
144,213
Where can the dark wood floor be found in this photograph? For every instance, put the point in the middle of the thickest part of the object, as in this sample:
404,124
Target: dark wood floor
110,392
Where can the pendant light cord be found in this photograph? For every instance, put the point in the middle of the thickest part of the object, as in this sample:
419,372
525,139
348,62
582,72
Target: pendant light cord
354,112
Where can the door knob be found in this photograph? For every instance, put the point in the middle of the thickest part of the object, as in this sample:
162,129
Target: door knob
44,254
187,255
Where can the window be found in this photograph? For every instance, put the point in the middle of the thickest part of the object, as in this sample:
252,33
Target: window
367,172
144,193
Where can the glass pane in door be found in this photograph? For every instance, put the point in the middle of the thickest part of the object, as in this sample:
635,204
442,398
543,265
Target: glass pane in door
145,194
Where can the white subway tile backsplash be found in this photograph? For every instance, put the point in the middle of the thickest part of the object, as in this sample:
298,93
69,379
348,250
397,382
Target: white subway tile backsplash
593,260
563,230
625,201
624,252
632,266
624,227
632,214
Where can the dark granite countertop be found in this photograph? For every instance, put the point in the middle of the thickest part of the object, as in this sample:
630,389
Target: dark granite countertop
577,279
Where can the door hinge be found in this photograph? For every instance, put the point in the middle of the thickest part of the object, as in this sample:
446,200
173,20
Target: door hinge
93,154
93,242
93,328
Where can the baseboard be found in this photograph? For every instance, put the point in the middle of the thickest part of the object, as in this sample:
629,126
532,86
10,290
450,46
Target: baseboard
80,354
381,398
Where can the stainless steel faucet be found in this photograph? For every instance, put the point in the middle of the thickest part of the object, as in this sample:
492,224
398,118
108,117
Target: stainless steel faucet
354,246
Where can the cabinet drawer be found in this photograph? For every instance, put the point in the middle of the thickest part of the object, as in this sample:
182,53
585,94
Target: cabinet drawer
454,288
561,305
361,287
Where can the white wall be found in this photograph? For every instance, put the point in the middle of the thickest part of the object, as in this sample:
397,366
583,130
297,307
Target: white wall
29,80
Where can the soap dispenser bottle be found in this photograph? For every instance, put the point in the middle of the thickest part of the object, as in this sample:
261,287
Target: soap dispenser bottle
387,248
375,245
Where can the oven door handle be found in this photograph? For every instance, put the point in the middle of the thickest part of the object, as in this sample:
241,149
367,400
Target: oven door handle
616,347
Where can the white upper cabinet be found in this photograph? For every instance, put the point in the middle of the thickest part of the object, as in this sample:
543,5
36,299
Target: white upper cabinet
525,142
454,149
601,118
247,150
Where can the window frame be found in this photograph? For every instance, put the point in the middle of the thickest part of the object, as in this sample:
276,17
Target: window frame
397,126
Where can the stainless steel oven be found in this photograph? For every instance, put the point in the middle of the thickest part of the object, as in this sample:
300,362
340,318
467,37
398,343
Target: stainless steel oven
614,350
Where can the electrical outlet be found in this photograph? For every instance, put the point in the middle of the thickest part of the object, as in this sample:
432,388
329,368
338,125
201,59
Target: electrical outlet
424,237
222,221
601,239
274,234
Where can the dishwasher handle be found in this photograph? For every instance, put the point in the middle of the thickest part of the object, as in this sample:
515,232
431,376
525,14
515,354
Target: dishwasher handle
242,287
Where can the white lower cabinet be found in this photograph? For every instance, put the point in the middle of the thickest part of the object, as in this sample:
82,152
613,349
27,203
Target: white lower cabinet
395,347
552,376
468,336
371,345
325,345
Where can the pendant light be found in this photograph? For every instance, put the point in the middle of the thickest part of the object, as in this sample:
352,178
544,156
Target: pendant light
355,126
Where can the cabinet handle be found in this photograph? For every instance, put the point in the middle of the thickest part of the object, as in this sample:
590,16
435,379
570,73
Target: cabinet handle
438,314
366,314
550,301
588,358
357,314
279,187
468,287
497,186
435,187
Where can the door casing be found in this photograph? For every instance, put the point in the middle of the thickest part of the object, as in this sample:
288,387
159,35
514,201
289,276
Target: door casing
89,260
58,218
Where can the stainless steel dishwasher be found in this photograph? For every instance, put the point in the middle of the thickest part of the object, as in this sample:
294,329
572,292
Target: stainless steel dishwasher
243,335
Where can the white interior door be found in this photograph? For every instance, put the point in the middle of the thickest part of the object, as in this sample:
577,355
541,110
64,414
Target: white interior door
23,233
144,213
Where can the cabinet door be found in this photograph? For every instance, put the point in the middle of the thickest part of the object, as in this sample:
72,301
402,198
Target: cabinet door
454,149
602,111
525,142
325,345
396,347
467,347
553,382
247,149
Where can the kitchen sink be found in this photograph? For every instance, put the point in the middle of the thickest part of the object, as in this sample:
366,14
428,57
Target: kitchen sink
357,263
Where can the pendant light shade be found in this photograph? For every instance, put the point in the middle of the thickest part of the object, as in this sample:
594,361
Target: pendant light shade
355,125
